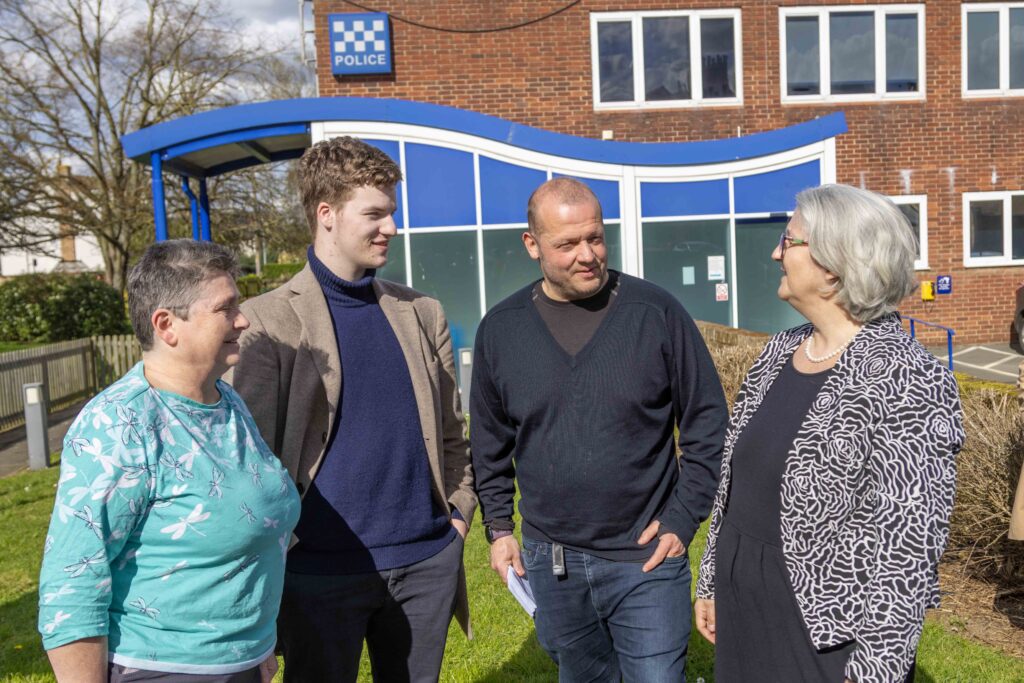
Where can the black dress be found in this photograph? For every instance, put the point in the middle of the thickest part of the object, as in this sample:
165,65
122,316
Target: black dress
760,632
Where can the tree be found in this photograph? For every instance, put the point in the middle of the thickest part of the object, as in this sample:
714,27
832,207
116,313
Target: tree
258,207
76,75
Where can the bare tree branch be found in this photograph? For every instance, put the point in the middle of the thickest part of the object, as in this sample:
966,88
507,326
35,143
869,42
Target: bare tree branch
76,75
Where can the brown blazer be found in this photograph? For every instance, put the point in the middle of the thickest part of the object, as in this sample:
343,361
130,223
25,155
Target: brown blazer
290,376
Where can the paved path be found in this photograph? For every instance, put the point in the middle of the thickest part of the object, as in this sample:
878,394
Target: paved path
994,362
14,447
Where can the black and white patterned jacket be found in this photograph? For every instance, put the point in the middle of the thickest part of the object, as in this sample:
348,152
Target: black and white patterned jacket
867,493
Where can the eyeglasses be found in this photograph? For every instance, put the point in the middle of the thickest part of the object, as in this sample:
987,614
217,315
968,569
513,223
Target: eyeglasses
792,242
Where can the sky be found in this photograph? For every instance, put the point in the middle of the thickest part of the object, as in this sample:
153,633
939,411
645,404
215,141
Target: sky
271,22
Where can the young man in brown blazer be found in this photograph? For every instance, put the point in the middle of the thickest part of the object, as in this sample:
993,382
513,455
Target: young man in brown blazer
351,381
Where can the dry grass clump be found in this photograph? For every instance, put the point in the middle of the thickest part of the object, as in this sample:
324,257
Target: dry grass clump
987,471
732,362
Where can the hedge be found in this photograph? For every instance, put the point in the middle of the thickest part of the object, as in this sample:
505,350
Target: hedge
57,307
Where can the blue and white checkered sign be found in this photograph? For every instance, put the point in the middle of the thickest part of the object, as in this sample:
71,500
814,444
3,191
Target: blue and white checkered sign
360,43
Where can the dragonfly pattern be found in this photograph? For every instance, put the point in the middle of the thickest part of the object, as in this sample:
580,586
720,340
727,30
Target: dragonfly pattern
76,569
148,484
85,514
247,513
216,484
249,561
181,473
146,609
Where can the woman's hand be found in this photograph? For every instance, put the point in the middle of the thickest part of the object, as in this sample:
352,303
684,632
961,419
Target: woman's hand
704,611
268,668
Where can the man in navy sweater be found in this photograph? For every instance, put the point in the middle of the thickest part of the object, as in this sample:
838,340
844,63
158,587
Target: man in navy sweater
351,382
579,383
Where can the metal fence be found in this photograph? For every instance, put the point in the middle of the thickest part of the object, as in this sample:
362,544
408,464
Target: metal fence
69,371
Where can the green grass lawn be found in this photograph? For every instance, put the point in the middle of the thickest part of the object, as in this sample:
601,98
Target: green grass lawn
16,346
504,649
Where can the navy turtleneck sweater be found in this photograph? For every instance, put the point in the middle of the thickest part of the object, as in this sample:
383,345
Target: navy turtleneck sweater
370,507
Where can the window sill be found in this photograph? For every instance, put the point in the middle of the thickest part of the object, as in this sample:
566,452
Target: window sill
668,106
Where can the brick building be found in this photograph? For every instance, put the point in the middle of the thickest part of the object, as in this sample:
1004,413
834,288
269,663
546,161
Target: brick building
930,93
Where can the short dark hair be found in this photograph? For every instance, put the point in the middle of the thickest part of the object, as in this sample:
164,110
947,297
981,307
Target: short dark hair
170,275
331,170
567,191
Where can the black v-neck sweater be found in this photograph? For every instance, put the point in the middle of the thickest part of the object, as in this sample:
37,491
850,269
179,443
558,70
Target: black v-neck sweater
590,438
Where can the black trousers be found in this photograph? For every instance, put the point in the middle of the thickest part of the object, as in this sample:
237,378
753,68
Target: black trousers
403,615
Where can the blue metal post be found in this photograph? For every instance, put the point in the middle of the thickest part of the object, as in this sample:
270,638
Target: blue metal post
949,347
193,206
159,209
204,211
912,335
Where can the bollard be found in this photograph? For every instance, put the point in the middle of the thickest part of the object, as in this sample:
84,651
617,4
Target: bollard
36,426
465,375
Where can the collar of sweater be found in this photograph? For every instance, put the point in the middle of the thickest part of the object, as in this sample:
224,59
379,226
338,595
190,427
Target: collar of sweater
341,292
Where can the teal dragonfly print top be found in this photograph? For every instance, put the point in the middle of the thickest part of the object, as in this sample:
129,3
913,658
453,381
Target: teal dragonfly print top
169,532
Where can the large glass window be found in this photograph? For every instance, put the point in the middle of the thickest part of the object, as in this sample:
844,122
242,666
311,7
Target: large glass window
901,54
673,58
444,265
666,58
847,53
852,51
993,228
993,49
690,259
394,270
803,59
507,265
615,47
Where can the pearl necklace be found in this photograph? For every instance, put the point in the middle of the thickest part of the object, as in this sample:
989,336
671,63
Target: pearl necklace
822,359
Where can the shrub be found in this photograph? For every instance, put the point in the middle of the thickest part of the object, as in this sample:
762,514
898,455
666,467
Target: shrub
987,471
57,307
281,271
250,285
733,362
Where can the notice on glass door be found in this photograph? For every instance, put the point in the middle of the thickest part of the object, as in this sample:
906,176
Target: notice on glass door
689,277
722,291
716,268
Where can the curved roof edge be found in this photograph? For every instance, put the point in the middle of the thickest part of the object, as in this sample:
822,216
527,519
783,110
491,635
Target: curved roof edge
140,144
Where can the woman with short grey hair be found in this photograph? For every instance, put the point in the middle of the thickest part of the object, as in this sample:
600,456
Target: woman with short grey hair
164,559
839,466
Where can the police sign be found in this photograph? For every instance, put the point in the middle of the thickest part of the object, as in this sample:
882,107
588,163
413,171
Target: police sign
360,43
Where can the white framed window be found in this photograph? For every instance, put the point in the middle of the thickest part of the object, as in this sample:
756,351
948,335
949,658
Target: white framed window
666,59
915,208
993,228
992,49
852,53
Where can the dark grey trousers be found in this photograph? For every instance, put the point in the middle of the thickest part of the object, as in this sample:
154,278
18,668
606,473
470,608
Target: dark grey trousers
403,615
125,674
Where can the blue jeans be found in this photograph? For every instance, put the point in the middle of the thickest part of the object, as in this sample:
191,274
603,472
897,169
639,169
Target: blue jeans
605,620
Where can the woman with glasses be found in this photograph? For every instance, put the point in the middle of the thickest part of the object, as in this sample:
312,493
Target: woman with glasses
839,465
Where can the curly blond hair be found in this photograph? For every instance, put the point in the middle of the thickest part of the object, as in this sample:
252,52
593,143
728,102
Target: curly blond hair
331,170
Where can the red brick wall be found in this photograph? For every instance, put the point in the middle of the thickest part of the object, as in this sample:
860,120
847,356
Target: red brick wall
540,75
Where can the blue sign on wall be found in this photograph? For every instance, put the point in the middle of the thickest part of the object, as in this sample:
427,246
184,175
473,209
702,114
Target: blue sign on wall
360,43
944,284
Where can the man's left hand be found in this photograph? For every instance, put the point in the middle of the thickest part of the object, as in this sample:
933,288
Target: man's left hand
669,545
461,527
